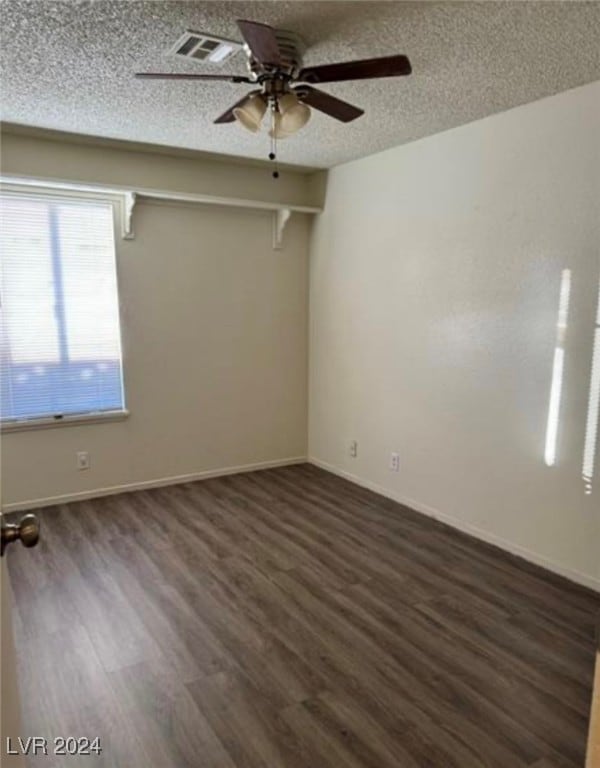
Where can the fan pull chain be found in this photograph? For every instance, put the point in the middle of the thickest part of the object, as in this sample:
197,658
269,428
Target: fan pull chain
273,152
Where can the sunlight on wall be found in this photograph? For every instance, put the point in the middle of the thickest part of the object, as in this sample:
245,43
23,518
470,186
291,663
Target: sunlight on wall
593,411
557,369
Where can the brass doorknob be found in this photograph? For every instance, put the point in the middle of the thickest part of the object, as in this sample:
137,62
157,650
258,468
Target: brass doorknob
28,531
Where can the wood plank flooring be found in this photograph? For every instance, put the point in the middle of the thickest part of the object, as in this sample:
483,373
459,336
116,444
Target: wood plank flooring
593,747
289,619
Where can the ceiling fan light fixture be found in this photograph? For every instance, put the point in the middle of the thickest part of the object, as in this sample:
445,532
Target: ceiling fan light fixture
251,112
293,114
276,131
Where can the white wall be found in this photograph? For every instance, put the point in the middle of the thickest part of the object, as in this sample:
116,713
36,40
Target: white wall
214,329
435,274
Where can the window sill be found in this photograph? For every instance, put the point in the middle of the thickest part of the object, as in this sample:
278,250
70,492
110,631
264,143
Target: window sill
67,421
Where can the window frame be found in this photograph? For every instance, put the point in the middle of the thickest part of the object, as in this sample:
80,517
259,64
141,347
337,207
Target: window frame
118,204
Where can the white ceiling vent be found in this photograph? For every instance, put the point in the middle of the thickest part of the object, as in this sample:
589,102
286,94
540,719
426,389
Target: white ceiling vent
204,47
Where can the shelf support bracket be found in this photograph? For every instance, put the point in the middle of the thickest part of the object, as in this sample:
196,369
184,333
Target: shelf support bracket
280,219
128,201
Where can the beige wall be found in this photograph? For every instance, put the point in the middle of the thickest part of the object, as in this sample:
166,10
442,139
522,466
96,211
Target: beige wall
53,155
214,330
435,274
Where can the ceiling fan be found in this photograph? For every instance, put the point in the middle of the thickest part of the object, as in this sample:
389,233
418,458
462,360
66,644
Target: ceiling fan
274,64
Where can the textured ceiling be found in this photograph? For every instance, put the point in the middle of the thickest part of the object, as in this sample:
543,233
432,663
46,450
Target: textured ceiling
69,66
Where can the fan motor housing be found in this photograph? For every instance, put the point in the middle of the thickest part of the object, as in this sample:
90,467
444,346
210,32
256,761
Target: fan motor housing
291,49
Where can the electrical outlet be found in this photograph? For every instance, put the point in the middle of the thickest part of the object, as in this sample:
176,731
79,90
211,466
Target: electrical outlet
83,460
353,449
395,462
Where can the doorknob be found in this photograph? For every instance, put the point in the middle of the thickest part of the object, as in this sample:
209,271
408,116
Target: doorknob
28,531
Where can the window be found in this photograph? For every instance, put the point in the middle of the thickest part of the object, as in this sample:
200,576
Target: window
60,350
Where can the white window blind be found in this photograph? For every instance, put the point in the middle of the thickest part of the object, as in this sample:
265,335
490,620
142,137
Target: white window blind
60,338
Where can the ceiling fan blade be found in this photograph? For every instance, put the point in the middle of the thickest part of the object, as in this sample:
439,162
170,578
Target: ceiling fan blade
262,41
228,116
187,76
324,102
388,66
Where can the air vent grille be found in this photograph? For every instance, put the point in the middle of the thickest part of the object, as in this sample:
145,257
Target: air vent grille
204,47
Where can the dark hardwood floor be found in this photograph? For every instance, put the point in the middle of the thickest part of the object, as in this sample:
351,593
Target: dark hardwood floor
289,619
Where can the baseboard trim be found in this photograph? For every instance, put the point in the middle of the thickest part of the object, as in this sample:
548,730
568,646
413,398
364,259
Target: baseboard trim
93,493
514,549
